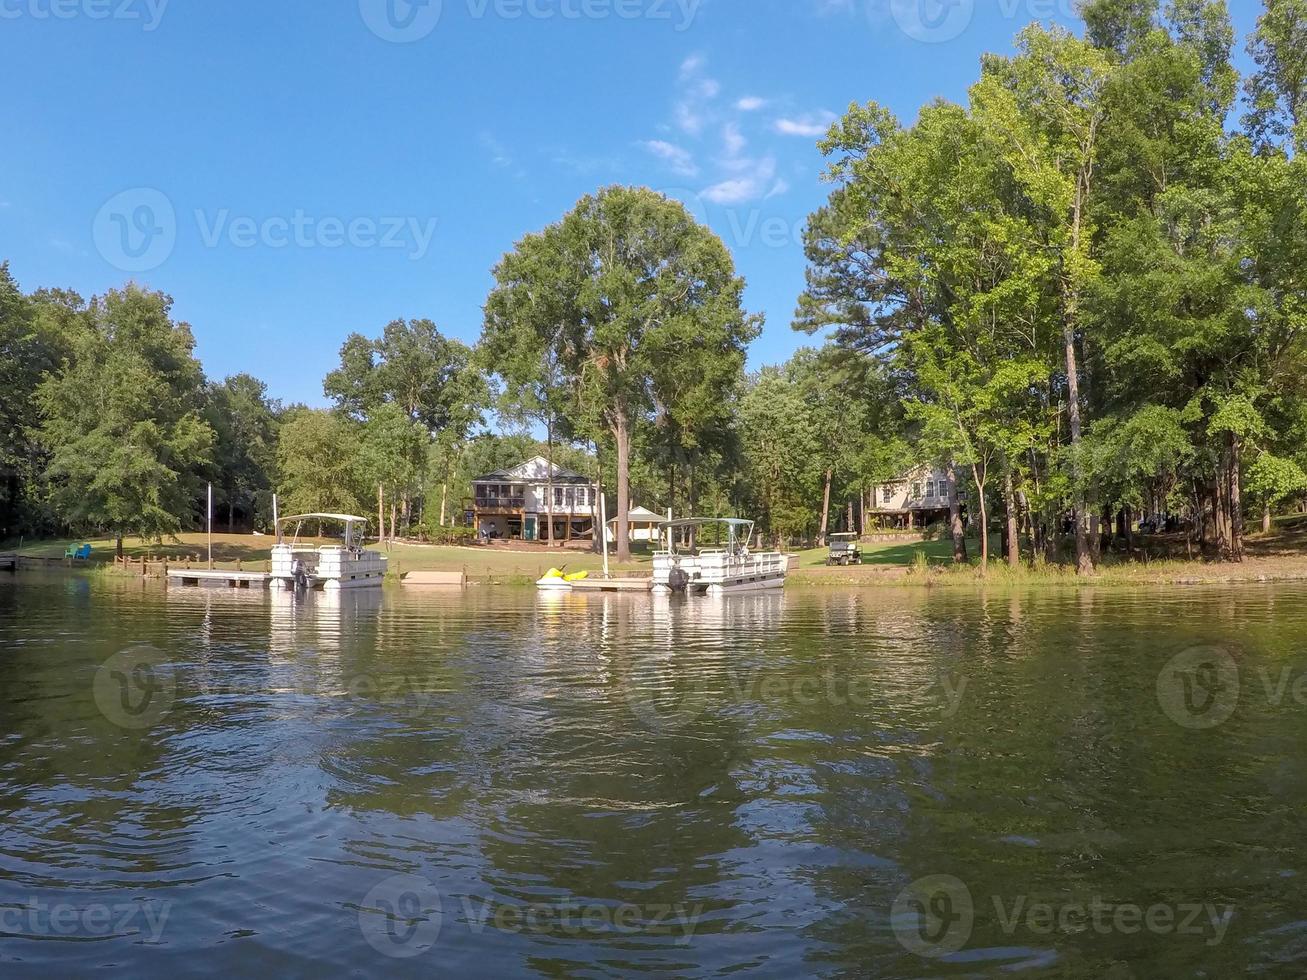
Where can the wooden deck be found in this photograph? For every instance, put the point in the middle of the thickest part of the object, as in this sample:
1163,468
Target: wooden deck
613,585
9,563
218,578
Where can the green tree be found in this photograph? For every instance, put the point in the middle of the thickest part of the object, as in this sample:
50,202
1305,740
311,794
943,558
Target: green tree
244,422
122,419
317,460
641,303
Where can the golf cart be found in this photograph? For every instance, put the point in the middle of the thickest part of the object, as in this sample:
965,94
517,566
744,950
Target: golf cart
844,550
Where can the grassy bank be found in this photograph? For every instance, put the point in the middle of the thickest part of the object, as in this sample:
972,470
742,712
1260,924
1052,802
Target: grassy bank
1280,555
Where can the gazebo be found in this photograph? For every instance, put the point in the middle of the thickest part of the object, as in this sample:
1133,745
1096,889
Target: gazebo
639,518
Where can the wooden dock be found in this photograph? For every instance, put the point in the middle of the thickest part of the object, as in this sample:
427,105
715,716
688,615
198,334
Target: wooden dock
446,580
613,585
218,578
9,563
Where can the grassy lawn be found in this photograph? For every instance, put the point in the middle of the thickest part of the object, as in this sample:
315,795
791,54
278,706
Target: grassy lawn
1280,554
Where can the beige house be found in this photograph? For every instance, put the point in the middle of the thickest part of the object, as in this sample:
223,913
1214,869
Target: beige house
915,499
515,504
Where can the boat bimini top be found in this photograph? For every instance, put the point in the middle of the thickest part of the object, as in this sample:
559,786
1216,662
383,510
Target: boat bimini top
349,520
738,530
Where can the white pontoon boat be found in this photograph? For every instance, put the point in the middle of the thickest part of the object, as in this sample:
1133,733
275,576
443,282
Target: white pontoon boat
729,567
330,566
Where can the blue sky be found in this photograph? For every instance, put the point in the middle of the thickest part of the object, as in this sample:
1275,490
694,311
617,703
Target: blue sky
292,171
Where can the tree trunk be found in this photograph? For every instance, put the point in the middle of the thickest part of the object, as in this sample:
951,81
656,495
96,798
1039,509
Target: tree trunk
984,519
381,515
1236,500
392,518
1070,312
1013,533
622,437
231,512
549,478
1266,517
825,509
956,527
118,545
444,499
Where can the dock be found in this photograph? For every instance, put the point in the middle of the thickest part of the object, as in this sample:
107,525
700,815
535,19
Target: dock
218,578
448,580
613,585
9,563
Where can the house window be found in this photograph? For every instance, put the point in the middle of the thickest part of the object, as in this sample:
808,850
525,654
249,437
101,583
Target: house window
943,488
886,495
558,496
916,491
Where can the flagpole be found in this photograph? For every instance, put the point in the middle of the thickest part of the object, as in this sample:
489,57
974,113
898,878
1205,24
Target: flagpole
210,526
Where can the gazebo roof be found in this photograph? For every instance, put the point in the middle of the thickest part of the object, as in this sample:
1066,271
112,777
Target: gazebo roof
641,515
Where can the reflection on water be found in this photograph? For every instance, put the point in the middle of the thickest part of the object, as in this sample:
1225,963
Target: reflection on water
495,782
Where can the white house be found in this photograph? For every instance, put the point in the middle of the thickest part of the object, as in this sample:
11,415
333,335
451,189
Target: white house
514,503
915,499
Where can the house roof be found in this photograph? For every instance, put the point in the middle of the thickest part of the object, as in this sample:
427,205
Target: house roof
534,470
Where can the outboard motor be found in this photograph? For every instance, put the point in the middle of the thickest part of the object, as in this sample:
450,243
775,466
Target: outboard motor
678,579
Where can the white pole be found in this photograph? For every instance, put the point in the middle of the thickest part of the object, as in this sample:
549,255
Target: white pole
603,520
276,522
210,526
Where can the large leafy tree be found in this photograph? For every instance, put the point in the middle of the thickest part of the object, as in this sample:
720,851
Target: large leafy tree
428,377
123,420
318,462
643,309
244,420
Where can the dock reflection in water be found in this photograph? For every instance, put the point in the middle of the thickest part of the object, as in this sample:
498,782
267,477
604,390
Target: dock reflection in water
496,782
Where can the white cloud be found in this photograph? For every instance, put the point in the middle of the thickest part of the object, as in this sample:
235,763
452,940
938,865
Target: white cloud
734,140
811,126
678,158
750,103
693,107
755,176
781,186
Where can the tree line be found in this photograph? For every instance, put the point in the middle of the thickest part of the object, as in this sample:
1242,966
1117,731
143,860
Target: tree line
1081,293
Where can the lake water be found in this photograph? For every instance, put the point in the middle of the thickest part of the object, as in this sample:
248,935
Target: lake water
494,783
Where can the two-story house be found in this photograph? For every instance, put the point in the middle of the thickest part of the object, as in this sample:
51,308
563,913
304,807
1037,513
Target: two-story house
514,504
915,499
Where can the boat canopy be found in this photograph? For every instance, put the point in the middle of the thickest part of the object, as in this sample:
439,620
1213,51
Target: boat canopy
702,521
349,520
343,518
